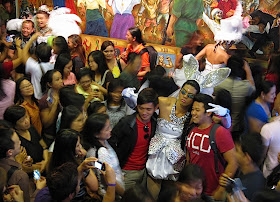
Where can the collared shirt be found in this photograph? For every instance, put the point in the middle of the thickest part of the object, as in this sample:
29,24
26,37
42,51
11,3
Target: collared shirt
19,177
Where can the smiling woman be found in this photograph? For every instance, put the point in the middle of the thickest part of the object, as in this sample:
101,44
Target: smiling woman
96,133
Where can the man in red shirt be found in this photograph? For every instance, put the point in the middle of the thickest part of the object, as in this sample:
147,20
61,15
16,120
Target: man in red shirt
132,135
199,149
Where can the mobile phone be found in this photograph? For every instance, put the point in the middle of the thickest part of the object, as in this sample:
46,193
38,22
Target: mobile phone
99,165
36,174
50,100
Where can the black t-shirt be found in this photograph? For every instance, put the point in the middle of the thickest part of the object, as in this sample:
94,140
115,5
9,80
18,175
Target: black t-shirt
33,147
253,182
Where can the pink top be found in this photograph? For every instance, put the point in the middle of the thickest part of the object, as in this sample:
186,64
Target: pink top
71,79
9,88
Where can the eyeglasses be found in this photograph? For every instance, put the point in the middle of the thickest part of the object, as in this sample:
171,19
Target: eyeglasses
184,92
147,130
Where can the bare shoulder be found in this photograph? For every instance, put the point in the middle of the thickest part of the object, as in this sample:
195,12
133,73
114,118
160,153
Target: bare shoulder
166,100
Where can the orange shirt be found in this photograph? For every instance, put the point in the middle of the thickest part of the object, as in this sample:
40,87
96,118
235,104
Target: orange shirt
144,57
34,114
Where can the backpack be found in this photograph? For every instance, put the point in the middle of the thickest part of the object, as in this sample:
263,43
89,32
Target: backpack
152,55
212,143
11,172
274,177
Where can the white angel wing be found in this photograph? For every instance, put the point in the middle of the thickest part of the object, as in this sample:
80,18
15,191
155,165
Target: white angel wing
190,65
14,24
63,23
215,77
210,80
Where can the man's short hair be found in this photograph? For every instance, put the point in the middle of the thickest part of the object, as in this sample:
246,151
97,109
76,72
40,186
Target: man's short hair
148,95
63,181
6,141
205,99
255,147
28,21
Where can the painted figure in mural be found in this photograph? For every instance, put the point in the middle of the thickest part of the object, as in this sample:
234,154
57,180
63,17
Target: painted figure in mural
249,6
214,25
95,24
123,18
183,20
151,7
228,7
207,7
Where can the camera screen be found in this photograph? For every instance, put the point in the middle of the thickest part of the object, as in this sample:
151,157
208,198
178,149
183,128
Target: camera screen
98,165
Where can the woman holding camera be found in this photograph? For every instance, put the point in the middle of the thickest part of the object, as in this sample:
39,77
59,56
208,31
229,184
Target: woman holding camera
97,131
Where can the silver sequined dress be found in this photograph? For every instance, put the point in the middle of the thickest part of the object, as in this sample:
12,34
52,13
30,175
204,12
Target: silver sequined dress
166,158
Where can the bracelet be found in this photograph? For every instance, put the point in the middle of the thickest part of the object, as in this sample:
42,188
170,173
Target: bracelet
111,184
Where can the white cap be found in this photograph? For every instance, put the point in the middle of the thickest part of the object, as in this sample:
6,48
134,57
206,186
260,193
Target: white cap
214,12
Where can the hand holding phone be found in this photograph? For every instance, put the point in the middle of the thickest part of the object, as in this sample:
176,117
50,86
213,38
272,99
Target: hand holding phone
36,174
99,165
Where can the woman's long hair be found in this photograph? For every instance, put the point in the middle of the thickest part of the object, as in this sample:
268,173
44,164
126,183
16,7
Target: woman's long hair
94,124
79,50
69,114
64,149
19,99
100,60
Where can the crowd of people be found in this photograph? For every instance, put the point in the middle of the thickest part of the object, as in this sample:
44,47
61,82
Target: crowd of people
98,128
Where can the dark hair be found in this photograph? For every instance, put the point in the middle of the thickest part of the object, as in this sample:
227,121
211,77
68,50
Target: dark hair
61,61
266,195
94,107
255,148
205,99
278,15
43,52
136,32
63,181
6,141
113,85
79,50
2,92
61,43
64,148
100,60
68,96
157,72
94,124
14,113
69,114
168,191
265,87
194,84
191,173
105,44
47,78
148,95
223,98
137,194
18,96
83,72
236,63
273,66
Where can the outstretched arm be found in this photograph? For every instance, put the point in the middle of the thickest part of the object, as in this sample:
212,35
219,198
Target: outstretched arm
25,51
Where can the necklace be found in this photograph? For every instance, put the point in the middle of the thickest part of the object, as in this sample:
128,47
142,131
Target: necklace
44,31
175,119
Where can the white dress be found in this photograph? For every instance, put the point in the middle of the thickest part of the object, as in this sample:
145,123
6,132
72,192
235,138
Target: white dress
166,158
